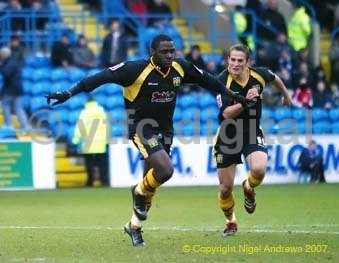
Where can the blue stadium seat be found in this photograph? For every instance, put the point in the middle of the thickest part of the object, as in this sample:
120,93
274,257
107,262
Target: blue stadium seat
319,114
187,100
286,127
190,114
334,114
301,127
321,127
268,125
335,127
209,128
76,102
93,71
27,86
7,133
282,113
299,114
37,62
112,89
118,130
177,114
41,74
73,117
209,114
40,88
27,73
59,74
267,113
101,99
114,102
189,130
38,103
206,100
59,85
117,116
76,74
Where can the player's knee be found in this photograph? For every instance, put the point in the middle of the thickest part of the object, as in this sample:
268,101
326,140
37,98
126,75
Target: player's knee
225,190
165,173
258,171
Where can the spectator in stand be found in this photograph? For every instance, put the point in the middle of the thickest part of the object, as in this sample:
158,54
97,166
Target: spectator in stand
335,94
38,7
223,62
159,7
322,96
271,17
114,48
83,56
93,4
12,90
286,77
17,50
302,96
285,61
211,67
324,11
299,28
334,58
139,8
17,24
61,55
303,71
195,57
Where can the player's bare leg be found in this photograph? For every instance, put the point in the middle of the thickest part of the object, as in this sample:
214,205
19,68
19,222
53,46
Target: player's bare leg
144,191
257,162
226,199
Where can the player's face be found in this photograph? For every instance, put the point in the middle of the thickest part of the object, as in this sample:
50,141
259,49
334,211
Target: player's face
237,62
164,54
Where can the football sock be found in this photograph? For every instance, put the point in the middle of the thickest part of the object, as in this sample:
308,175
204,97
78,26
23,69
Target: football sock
227,206
148,185
252,181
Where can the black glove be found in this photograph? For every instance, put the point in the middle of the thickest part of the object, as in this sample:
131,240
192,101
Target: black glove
246,103
59,96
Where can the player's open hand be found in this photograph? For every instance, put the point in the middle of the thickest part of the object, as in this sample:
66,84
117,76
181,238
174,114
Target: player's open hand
59,97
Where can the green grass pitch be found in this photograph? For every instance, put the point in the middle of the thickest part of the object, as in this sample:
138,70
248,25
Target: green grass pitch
292,223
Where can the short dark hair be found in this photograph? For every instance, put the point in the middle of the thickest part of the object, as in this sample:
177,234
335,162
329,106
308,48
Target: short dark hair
240,47
159,38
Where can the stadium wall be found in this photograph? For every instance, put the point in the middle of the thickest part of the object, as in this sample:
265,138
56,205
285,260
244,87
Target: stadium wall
194,163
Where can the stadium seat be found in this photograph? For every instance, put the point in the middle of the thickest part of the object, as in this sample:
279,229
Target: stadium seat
28,87
189,130
7,133
38,103
319,114
267,113
27,73
299,114
114,102
37,62
209,128
334,114
40,88
282,113
59,85
206,100
209,114
187,100
268,125
112,89
191,114
177,114
321,127
301,127
41,74
285,126
73,117
59,75
76,102
75,74
335,127
118,130
117,116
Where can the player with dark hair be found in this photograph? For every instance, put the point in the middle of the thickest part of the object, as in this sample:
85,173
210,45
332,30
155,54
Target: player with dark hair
240,132
150,89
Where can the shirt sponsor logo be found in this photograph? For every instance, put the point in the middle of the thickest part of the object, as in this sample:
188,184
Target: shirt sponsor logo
153,83
163,96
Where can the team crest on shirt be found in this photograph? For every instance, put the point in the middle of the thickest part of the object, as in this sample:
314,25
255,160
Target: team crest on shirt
176,82
152,142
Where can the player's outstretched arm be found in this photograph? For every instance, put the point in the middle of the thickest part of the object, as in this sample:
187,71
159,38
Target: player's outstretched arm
279,84
85,85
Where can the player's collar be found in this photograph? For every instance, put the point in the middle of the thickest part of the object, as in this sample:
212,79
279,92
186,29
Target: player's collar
241,82
157,68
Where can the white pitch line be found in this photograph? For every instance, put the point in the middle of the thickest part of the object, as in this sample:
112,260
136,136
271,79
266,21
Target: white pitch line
179,229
